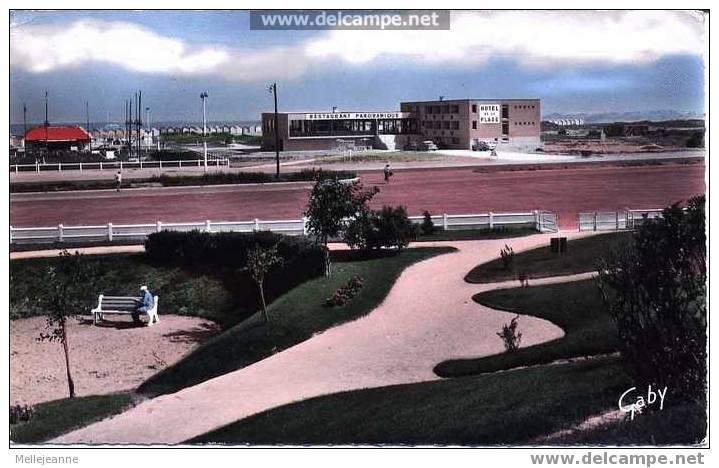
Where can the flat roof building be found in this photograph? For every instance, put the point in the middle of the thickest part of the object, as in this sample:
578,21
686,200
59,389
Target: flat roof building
452,124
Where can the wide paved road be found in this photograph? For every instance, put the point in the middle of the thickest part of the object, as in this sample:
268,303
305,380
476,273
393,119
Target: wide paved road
454,190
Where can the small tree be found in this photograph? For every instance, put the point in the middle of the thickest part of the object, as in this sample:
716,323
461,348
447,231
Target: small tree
655,290
510,336
507,255
427,225
260,261
66,290
390,227
331,204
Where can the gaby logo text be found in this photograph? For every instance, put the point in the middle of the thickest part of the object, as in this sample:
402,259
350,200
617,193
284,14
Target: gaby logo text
632,403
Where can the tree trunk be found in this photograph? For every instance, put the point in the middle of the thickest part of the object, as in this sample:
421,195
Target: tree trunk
70,383
328,261
264,305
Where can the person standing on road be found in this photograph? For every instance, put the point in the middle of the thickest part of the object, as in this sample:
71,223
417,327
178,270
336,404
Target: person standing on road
387,173
118,180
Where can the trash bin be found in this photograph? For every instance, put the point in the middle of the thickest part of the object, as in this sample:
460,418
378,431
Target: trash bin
558,244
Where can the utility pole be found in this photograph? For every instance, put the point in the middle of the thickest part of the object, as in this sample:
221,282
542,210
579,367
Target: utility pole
149,127
138,113
204,96
87,115
46,124
128,126
273,90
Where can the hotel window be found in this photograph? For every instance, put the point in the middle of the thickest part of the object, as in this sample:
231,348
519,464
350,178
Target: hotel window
455,140
455,125
428,109
445,109
455,109
474,108
474,125
438,124
437,110
445,125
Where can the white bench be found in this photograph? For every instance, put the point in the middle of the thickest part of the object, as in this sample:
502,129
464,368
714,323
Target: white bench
121,305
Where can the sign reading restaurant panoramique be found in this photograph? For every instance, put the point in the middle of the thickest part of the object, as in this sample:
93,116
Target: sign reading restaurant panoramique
351,115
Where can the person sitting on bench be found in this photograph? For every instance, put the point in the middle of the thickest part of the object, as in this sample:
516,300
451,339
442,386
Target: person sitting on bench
148,302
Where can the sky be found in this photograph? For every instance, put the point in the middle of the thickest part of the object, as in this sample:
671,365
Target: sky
576,62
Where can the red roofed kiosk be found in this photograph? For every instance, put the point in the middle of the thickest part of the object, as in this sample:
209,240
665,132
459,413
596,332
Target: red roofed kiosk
57,138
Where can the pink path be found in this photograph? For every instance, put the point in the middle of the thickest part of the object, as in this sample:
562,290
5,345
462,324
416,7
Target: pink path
427,317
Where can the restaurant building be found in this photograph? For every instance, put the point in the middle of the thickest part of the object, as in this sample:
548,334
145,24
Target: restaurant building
450,124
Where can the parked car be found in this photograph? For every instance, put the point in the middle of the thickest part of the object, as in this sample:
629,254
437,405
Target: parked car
427,146
482,145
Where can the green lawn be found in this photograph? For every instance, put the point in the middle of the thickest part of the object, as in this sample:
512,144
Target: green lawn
575,307
192,138
390,157
294,317
475,234
208,294
171,180
54,418
674,425
581,256
504,408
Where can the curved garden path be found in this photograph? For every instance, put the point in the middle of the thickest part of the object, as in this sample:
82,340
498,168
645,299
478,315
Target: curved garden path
428,317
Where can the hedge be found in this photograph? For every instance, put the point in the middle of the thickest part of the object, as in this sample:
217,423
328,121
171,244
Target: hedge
302,259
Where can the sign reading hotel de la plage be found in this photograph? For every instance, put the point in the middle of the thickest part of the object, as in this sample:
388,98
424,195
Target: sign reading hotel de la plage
489,113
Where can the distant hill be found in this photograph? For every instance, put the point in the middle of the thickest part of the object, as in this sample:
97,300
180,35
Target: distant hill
632,116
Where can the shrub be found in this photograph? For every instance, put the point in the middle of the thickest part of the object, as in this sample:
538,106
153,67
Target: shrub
387,228
696,140
21,413
427,226
507,255
510,336
656,293
345,292
215,178
303,259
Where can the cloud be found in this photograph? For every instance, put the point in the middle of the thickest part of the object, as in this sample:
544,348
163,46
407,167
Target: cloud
42,48
532,39
45,48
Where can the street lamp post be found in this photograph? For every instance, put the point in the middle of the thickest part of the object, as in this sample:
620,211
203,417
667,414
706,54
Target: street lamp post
149,128
273,90
203,96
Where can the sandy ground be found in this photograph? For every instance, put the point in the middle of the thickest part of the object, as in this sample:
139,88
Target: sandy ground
454,191
428,317
112,357
99,250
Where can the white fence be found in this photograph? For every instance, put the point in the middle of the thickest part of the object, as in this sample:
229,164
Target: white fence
111,232
115,165
616,220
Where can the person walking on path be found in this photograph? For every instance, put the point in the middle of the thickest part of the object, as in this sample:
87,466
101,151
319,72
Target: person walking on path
118,180
387,173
